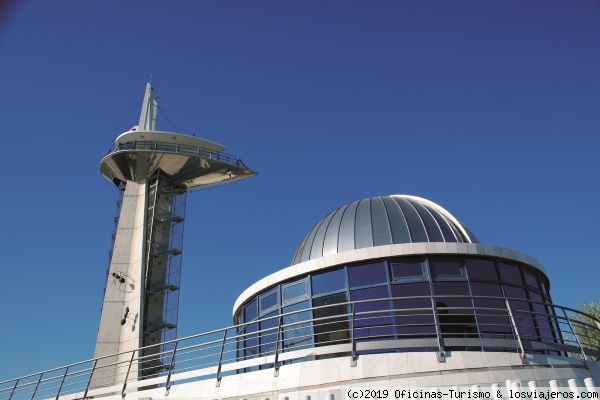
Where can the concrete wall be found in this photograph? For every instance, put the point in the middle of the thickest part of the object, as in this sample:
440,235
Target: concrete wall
127,261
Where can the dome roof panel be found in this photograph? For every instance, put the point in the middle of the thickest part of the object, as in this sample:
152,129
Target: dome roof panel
378,221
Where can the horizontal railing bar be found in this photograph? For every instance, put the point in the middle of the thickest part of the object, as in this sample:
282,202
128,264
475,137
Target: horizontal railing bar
236,346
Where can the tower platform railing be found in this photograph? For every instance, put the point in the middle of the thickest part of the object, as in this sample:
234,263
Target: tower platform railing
174,148
348,329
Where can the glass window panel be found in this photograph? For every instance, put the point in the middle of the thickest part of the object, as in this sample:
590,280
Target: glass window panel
295,291
531,280
443,269
332,329
268,335
406,270
268,301
250,311
545,290
452,305
369,274
494,326
296,333
450,288
521,312
542,317
454,313
327,282
486,289
481,270
510,274
368,322
251,341
416,298
515,292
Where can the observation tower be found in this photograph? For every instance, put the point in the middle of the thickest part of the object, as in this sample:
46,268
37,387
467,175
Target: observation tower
153,169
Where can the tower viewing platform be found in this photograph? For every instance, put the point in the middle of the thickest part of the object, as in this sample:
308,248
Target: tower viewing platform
190,161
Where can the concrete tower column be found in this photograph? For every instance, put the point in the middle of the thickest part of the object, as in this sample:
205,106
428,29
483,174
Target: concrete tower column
155,168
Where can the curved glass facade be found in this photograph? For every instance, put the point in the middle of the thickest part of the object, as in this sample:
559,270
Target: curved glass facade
410,301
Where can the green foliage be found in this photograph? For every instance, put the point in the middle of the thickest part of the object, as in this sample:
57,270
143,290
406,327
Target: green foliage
588,328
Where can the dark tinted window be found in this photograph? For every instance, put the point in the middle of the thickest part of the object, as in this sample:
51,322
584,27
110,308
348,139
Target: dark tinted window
250,311
370,274
268,301
251,340
452,305
332,329
481,270
510,274
268,336
441,269
531,280
373,318
327,282
406,270
486,289
380,292
450,288
410,290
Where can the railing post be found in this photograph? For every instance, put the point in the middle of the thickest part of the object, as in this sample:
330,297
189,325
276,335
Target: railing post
87,387
515,330
441,354
37,385
576,337
352,339
221,357
127,374
14,388
168,384
62,382
276,363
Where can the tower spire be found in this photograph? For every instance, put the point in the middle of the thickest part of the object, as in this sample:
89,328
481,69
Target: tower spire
149,109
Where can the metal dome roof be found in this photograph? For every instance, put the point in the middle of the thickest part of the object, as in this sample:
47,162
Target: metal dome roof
381,220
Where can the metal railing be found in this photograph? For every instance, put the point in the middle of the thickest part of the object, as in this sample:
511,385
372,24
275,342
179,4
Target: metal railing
343,329
175,148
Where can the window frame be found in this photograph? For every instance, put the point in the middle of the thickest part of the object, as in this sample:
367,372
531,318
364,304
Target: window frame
462,267
408,279
344,269
306,296
262,312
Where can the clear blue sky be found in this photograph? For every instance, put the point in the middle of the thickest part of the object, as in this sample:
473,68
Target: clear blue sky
490,109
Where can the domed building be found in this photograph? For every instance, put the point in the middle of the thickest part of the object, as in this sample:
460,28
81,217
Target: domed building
387,292
394,291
